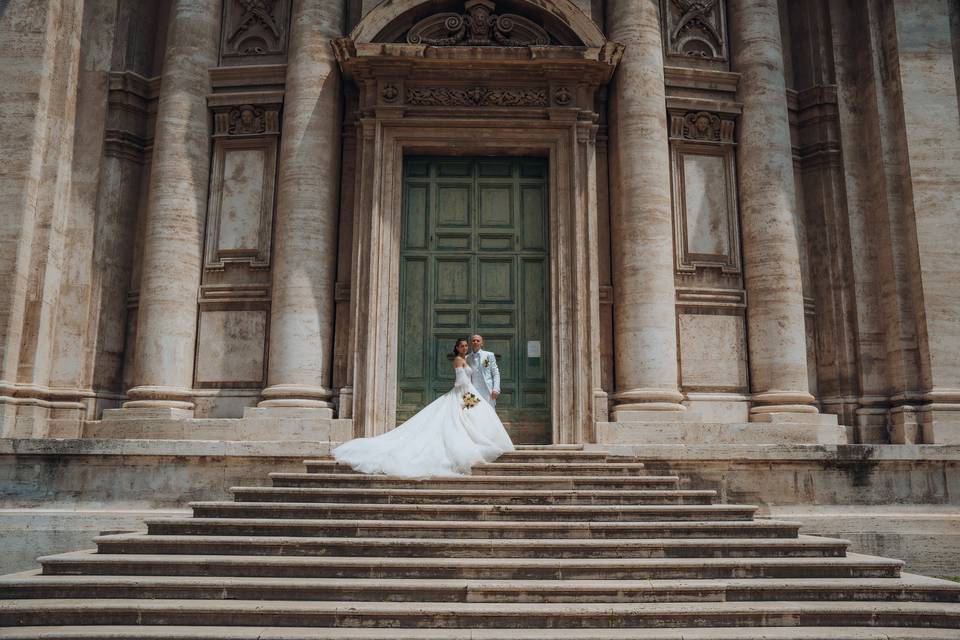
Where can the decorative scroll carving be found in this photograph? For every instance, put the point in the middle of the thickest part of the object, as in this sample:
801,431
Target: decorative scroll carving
695,28
255,28
701,125
476,97
479,26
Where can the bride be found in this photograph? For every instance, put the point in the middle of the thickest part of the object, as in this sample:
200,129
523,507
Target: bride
445,438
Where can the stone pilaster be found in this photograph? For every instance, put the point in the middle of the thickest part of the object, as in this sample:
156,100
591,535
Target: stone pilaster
644,316
173,248
305,242
775,314
924,65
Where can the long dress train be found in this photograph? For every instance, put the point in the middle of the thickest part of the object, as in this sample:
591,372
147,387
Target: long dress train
443,439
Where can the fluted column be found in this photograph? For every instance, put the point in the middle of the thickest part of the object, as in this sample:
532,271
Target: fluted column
777,335
305,242
645,334
176,209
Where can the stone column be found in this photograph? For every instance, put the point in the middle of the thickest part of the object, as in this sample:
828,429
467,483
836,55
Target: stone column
305,241
176,212
777,338
644,316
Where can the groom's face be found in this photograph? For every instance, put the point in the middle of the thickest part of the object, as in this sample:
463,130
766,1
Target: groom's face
476,342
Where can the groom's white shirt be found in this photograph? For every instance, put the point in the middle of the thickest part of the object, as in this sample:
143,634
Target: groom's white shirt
486,377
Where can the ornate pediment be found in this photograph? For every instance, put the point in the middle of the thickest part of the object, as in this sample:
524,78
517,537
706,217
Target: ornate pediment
477,26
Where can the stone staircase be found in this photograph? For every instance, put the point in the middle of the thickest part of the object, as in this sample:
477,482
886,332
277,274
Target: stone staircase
546,543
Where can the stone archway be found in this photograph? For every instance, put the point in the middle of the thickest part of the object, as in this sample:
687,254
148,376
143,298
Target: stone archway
444,94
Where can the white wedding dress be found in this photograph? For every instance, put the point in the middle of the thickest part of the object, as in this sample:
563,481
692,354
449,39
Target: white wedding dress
443,439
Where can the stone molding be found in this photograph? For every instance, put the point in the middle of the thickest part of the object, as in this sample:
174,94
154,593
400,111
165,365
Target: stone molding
473,97
712,297
132,104
566,24
700,136
478,26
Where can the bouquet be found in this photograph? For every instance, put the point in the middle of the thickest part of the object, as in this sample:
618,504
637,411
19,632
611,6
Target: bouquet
470,400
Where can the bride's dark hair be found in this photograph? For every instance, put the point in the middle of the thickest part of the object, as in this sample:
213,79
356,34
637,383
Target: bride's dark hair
456,345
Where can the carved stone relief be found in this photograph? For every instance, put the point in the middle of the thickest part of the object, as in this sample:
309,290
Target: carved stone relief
476,97
695,29
478,26
254,31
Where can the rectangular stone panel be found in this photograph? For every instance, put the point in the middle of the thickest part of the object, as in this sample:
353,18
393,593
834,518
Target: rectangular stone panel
230,347
243,183
713,354
240,212
705,206
705,195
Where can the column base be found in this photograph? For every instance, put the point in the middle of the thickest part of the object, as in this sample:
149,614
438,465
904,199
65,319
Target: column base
159,397
644,400
940,424
297,396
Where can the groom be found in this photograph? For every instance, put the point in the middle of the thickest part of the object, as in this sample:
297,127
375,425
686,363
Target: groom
486,375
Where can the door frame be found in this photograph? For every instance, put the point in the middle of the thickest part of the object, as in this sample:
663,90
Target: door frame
529,424
573,272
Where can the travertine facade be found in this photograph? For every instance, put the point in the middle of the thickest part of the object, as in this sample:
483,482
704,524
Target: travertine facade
752,212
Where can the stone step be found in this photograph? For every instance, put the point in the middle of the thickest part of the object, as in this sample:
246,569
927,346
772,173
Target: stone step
802,546
376,495
554,455
344,479
643,513
907,588
477,529
514,468
152,632
548,447
91,563
476,615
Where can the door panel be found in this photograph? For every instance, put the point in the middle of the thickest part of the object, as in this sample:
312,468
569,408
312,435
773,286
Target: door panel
474,260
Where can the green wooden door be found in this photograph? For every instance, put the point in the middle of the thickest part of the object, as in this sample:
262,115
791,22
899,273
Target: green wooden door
474,260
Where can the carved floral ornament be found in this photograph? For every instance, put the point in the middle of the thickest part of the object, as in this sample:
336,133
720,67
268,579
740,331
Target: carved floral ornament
478,26
476,96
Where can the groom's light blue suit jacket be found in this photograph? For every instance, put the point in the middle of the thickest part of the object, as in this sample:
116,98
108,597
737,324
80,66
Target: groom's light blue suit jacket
488,373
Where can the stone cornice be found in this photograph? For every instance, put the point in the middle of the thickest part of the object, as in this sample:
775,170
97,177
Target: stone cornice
262,77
